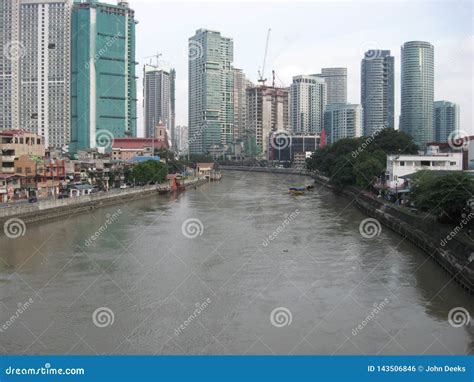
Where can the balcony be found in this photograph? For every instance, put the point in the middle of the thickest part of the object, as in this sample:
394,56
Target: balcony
8,170
7,158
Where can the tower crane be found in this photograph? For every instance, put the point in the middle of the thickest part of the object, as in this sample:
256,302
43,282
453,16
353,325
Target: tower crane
262,73
157,56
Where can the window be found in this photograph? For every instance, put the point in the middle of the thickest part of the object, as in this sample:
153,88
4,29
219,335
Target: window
452,163
426,163
402,163
18,170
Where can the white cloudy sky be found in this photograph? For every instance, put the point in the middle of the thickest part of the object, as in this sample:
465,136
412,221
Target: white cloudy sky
309,35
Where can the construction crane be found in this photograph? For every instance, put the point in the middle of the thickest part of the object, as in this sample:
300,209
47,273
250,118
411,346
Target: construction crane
262,73
157,56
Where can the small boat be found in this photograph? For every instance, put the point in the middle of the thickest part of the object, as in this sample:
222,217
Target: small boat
296,190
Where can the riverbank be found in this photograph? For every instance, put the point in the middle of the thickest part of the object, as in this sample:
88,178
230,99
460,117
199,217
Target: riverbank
456,257
57,208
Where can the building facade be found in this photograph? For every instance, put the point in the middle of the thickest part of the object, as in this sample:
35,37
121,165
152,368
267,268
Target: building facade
336,81
156,98
399,166
240,104
36,68
342,121
308,98
103,74
267,112
377,91
211,91
445,120
17,143
417,91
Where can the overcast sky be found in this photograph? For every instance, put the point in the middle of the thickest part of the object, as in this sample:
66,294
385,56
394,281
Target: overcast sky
307,36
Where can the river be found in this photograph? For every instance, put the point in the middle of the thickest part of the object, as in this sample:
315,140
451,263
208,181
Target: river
232,267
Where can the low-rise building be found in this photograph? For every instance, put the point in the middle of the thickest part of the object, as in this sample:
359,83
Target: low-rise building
125,149
399,166
16,143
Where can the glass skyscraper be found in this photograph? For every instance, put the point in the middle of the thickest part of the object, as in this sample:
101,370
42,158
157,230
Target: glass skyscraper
445,119
103,73
211,91
417,91
336,81
377,91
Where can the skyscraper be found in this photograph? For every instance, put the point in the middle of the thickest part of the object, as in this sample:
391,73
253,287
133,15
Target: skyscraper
417,91
308,95
377,90
445,119
240,104
35,68
336,80
103,74
342,121
211,89
173,108
267,112
156,98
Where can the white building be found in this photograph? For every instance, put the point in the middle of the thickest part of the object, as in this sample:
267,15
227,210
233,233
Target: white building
308,99
401,165
36,68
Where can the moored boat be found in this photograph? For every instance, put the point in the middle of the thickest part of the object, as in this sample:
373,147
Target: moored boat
296,190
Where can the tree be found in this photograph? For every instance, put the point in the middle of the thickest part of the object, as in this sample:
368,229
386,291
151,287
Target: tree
445,196
367,171
150,171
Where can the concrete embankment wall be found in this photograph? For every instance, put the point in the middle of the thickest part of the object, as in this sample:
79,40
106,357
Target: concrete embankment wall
264,169
455,257
56,208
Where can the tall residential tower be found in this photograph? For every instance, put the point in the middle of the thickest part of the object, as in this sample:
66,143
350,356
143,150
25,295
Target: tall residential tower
336,81
417,91
308,98
211,90
156,98
377,91
35,66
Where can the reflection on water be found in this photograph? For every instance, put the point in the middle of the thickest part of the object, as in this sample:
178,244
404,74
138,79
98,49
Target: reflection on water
248,258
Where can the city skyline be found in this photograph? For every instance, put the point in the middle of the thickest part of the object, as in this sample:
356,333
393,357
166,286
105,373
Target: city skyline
294,51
